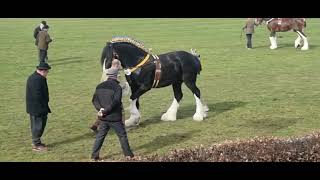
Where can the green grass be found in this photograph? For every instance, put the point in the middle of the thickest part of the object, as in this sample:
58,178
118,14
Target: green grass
261,92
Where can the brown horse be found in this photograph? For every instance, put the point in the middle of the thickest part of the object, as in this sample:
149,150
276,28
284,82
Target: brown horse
283,25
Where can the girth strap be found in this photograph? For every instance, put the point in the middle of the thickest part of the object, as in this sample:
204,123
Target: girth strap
157,74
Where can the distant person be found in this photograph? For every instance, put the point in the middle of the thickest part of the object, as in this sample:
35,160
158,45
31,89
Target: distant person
249,30
37,99
39,28
42,41
107,101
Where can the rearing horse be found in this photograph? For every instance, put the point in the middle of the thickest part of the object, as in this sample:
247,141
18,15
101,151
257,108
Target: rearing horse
283,25
145,70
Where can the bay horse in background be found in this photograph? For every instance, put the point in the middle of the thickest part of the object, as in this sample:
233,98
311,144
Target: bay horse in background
283,25
145,70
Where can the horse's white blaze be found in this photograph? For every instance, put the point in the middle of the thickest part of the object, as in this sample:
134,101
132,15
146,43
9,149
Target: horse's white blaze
198,116
297,42
273,41
104,72
134,114
171,114
305,42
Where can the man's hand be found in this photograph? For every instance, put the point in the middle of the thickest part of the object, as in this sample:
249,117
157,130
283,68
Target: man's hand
100,114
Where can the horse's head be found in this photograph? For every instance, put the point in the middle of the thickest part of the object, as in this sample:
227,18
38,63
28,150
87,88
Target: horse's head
107,56
127,50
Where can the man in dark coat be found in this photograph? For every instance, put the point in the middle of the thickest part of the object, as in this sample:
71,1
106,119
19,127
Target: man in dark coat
107,101
115,64
37,99
42,41
39,28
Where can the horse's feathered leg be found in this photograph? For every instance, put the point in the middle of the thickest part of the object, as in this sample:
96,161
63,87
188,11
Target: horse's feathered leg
273,40
200,110
134,114
297,42
171,114
305,40
134,105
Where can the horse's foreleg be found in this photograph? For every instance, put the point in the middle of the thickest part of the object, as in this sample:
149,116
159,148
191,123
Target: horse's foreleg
134,114
171,114
134,105
297,42
305,40
273,40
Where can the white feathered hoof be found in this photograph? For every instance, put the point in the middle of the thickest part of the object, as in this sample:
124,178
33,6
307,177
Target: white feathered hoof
304,48
168,117
198,117
273,47
132,122
297,45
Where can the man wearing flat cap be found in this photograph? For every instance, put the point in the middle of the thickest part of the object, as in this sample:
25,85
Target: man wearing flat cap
37,99
107,101
39,28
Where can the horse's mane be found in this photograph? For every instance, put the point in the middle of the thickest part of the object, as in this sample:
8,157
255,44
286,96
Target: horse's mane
130,41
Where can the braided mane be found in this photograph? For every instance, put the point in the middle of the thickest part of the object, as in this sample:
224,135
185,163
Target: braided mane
130,41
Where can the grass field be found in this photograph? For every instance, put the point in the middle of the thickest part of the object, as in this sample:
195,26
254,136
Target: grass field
261,92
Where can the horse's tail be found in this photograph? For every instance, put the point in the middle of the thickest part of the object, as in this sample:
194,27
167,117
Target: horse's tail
198,62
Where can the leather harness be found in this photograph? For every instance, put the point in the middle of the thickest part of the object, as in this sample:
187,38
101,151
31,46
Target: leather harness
157,74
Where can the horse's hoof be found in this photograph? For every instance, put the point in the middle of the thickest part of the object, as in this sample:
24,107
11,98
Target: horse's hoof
304,48
197,117
130,122
167,117
272,47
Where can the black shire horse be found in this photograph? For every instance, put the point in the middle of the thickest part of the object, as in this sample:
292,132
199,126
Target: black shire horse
145,70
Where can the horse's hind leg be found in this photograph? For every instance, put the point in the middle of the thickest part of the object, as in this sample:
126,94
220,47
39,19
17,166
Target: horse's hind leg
305,40
171,114
273,40
200,110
